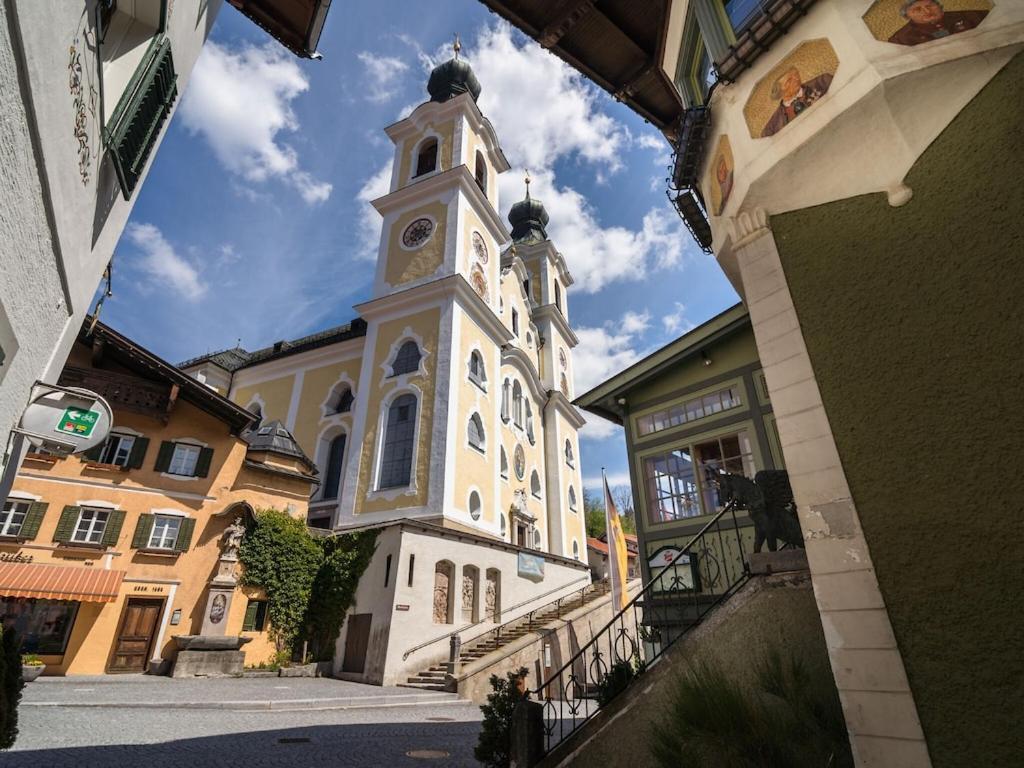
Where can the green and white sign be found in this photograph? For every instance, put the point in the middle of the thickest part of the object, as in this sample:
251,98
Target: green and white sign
78,422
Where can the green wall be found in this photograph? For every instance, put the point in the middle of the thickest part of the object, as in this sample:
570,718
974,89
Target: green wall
913,322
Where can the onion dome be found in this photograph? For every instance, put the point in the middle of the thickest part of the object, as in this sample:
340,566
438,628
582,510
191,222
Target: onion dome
528,219
453,78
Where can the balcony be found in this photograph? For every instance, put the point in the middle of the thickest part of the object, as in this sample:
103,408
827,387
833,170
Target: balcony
124,392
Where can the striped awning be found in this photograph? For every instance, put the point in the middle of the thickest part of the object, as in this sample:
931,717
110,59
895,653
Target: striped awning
59,582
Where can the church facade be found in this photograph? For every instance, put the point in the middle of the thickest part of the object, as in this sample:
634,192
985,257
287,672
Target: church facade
447,401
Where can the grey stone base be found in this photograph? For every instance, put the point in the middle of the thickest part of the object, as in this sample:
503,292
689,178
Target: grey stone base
778,562
209,664
303,670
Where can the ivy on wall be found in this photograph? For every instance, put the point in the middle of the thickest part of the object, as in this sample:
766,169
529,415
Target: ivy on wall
310,582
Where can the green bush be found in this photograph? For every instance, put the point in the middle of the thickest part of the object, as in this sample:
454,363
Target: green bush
10,687
495,742
616,680
787,716
310,582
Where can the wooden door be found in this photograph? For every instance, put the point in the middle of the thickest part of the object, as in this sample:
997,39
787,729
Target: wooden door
138,628
357,639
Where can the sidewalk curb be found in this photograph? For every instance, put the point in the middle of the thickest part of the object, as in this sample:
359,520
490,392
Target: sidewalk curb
364,702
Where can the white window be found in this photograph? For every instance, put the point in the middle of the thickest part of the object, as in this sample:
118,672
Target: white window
475,432
572,498
504,526
575,550
515,322
536,539
504,464
117,450
90,526
407,360
13,516
568,453
475,506
165,532
477,374
506,399
529,422
535,483
517,404
184,460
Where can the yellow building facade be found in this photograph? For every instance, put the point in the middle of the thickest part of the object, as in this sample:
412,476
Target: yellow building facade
448,399
107,555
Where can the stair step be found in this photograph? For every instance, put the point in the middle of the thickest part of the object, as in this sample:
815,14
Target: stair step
424,686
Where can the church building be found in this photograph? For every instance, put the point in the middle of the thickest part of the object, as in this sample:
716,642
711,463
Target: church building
442,413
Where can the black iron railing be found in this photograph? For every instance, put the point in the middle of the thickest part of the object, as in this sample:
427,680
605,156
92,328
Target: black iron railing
710,568
684,190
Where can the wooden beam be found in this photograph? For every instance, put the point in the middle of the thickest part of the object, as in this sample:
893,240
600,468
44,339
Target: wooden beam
564,21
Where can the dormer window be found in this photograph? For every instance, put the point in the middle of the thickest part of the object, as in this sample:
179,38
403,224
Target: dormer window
426,160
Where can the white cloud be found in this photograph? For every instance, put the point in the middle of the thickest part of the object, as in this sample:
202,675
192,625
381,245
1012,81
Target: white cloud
544,109
383,73
240,101
165,267
369,220
675,322
594,482
602,353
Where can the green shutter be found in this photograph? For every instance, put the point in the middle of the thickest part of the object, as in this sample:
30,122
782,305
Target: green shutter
184,541
138,453
94,454
249,623
112,530
203,463
33,518
66,525
140,114
163,456
143,531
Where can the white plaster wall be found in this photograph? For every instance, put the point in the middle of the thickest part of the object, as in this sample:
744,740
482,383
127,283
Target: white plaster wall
415,626
59,219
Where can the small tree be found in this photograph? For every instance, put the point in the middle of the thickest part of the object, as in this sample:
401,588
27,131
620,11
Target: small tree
11,684
495,744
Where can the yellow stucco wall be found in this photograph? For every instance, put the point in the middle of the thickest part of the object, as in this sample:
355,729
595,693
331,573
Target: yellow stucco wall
404,266
276,395
475,469
445,131
317,384
425,325
72,482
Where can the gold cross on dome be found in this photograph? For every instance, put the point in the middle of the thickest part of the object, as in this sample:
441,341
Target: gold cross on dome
456,46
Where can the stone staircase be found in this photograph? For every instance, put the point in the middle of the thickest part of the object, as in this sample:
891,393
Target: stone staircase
434,678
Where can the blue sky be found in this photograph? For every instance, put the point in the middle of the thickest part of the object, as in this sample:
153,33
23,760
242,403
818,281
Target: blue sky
255,223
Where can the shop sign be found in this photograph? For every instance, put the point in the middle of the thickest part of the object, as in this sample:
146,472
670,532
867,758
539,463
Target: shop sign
77,422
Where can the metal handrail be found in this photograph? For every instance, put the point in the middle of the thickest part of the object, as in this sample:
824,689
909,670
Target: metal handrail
502,612
662,608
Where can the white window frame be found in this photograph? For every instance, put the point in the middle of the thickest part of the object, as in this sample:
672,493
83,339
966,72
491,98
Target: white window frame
183,447
482,446
93,525
161,543
121,437
9,510
572,499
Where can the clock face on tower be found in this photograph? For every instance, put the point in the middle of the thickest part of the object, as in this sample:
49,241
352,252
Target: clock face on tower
417,233
480,247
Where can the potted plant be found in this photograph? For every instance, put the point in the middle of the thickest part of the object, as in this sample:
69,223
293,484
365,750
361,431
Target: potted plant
31,667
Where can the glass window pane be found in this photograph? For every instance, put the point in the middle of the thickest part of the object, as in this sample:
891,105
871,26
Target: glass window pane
741,12
42,625
183,462
12,517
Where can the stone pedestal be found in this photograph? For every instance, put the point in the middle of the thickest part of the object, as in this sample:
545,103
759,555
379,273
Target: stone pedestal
209,656
218,604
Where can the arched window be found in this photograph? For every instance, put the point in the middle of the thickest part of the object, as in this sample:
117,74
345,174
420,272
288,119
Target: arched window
481,172
529,422
332,471
535,483
477,374
506,396
504,463
504,525
426,160
475,432
536,539
558,296
517,404
407,360
568,453
399,436
340,400
475,506
572,498
575,550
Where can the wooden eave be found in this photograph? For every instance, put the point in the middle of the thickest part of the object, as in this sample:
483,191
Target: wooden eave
616,43
296,24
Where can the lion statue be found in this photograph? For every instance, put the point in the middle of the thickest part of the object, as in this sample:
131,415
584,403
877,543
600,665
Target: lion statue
768,499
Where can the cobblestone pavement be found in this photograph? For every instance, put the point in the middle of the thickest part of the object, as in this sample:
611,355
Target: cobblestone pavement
128,736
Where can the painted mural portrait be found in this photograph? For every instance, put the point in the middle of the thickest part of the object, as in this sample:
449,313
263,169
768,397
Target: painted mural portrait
912,22
799,81
721,175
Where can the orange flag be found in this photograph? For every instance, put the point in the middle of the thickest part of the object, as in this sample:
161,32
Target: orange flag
617,552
